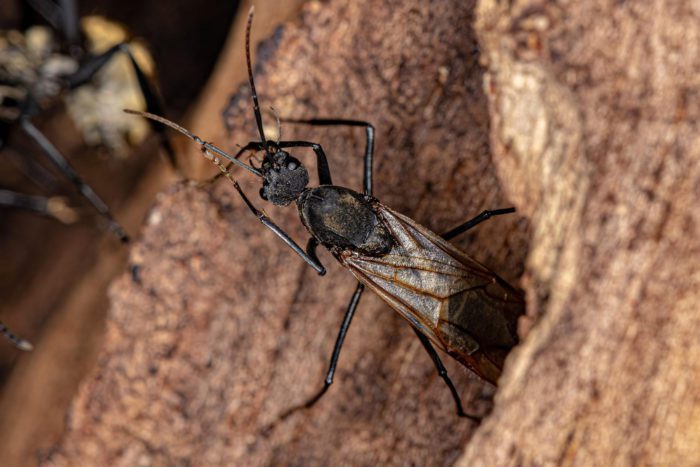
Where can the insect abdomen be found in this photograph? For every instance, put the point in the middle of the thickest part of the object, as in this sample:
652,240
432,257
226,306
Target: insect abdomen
479,324
460,305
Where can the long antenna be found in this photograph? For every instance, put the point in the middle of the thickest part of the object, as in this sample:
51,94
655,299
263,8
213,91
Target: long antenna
256,106
195,138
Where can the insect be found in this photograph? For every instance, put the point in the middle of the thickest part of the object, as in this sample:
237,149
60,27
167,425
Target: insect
41,65
450,300
44,64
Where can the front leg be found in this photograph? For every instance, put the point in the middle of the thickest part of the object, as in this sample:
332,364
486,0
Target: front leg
251,146
267,222
262,217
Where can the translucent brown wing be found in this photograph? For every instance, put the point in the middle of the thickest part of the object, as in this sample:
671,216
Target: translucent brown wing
459,304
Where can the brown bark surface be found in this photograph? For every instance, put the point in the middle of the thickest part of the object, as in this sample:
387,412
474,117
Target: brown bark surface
53,277
595,113
591,114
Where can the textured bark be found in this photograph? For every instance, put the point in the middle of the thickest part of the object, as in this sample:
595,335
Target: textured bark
54,278
591,112
595,112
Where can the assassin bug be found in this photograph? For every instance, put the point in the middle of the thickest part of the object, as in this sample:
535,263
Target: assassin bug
450,300
39,66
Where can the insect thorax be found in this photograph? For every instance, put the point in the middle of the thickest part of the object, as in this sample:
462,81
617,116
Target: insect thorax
342,219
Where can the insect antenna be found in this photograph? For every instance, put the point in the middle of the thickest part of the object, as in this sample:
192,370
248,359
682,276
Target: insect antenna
206,147
256,105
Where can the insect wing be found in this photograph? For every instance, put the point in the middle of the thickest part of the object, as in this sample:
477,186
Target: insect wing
459,304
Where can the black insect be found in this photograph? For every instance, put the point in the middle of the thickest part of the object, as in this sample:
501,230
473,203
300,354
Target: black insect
33,77
38,67
450,300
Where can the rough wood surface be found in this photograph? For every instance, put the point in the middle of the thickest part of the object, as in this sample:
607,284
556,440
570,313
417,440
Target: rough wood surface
588,126
595,113
39,262
54,278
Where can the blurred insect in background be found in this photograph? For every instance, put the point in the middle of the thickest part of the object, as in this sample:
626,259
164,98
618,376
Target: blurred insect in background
90,65
451,301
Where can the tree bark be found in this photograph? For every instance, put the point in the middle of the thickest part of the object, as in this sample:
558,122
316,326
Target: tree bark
594,111
582,116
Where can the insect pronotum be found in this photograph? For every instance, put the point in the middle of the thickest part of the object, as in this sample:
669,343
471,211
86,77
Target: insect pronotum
451,301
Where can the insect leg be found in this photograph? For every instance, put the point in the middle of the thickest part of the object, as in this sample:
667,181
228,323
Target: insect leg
62,164
347,319
18,342
369,147
70,20
62,16
324,172
311,249
473,222
35,172
266,221
55,207
153,102
4,132
443,374
352,306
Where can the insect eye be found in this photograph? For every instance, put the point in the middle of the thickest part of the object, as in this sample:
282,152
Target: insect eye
291,165
262,193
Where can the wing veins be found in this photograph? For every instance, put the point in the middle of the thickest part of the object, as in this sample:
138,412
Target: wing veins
407,285
459,266
415,314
